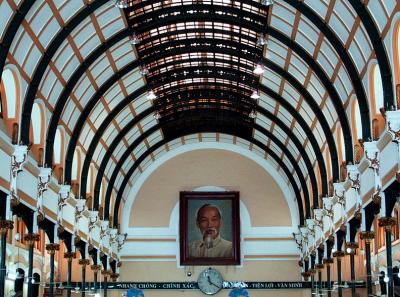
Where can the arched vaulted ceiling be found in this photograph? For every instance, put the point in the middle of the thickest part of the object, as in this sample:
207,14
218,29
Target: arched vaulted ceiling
80,58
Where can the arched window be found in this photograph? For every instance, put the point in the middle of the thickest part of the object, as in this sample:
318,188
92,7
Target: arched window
75,173
396,59
357,126
376,89
37,123
89,180
76,165
341,147
58,147
10,91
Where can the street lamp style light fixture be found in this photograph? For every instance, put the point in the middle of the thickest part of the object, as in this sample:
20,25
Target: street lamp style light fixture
259,70
121,4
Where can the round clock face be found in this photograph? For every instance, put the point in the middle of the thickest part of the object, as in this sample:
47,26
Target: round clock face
210,281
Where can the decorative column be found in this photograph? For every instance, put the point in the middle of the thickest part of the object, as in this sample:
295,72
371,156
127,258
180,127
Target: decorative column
368,236
387,223
319,268
351,248
105,274
69,256
43,181
83,262
51,249
95,269
18,159
338,255
5,225
31,238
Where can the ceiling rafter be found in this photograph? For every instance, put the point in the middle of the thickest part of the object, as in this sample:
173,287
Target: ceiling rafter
147,112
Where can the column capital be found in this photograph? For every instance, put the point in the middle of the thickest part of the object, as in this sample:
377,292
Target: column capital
114,276
319,266
105,272
6,225
387,222
306,275
95,268
69,255
84,262
338,254
327,261
30,238
51,248
367,235
352,246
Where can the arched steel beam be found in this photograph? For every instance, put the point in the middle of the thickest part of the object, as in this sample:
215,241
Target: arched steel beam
347,61
148,111
66,92
11,31
250,139
381,54
45,60
94,99
145,113
75,77
182,13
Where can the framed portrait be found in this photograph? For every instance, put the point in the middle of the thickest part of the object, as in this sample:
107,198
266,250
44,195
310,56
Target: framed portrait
209,228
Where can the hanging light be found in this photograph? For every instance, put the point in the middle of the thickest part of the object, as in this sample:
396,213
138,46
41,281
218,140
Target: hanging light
121,4
144,70
255,95
261,41
134,39
267,2
151,95
349,250
252,114
259,69
157,115
386,279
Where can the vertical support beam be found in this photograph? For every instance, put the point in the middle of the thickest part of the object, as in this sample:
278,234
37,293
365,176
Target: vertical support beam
339,275
69,256
351,248
328,278
368,260
3,261
388,235
105,283
30,239
83,262
95,269
5,225
320,281
368,236
51,249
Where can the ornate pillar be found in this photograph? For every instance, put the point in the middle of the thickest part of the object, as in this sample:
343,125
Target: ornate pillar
338,255
105,273
5,225
319,268
387,223
328,262
31,238
368,236
114,276
95,269
51,249
351,248
83,262
69,256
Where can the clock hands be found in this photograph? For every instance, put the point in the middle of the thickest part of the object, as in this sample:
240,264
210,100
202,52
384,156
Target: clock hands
211,283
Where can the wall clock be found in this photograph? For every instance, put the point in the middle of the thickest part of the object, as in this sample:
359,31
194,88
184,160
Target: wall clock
210,281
